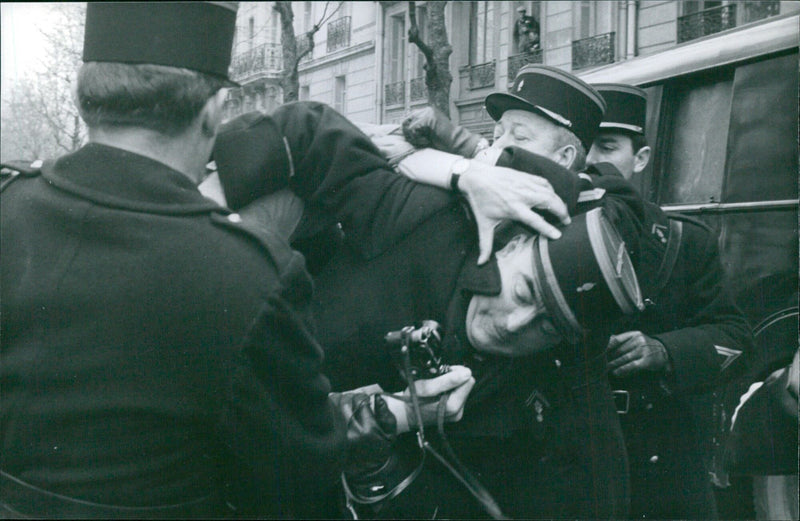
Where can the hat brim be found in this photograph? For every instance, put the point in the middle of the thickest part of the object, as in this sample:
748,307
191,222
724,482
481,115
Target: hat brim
499,102
621,127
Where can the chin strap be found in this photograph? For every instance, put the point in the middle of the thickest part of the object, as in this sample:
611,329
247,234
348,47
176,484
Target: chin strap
454,466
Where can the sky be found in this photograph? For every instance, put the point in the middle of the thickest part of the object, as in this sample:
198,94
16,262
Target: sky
22,43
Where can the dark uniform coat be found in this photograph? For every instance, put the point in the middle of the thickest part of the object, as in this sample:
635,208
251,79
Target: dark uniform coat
154,352
540,432
689,310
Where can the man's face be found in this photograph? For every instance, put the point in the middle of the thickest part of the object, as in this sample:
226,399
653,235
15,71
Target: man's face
617,148
528,131
515,322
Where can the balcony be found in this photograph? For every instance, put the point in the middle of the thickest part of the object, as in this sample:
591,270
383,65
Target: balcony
339,34
264,58
479,76
709,21
595,50
395,93
517,61
759,10
418,89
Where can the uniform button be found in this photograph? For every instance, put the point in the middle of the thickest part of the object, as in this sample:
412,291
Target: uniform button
654,459
558,362
649,406
235,218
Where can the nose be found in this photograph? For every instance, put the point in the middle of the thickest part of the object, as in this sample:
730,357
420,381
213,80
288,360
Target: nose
591,157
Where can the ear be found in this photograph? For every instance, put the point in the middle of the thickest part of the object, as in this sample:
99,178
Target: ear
521,317
211,115
640,159
565,156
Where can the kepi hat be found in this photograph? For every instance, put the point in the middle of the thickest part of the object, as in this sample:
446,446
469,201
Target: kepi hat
586,278
247,148
559,96
626,107
189,35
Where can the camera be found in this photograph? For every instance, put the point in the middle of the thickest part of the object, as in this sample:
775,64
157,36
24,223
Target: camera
424,350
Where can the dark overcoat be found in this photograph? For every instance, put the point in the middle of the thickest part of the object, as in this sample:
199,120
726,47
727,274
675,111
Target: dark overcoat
691,311
540,432
154,351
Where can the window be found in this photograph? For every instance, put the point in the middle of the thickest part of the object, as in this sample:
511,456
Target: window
594,37
306,16
419,58
275,31
251,33
340,94
527,31
305,93
701,18
592,18
732,139
695,156
397,48
481,26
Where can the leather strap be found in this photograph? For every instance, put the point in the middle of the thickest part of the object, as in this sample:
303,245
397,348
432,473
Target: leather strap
670,256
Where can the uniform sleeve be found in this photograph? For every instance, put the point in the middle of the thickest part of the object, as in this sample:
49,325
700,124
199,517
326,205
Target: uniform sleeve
341,175
714,326
286,445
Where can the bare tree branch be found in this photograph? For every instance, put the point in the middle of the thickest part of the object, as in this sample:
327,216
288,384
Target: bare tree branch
292,56
413,33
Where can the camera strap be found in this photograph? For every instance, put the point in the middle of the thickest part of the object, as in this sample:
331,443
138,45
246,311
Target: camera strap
455,467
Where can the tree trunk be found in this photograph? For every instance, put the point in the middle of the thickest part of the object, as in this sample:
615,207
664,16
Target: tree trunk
437,51
290,79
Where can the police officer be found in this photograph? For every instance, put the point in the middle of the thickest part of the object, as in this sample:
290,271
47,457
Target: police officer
687,336
540,431
157,356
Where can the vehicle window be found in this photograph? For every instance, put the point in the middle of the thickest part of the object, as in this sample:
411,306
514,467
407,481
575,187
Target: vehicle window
694,159
762,147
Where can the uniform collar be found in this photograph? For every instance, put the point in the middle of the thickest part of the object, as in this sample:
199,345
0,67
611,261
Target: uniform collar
117,178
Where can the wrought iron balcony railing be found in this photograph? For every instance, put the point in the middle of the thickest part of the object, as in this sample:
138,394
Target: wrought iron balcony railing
517,61
395,93
595,50
264,58
758,10
418,89
706,22
479,76
339,33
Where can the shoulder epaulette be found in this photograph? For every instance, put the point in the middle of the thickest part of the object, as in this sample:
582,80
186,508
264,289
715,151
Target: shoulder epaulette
11,170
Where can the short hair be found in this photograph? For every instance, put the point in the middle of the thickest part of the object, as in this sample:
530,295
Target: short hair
164,99
566,137
638,141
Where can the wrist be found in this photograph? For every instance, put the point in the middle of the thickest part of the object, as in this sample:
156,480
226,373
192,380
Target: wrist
458,168
398,408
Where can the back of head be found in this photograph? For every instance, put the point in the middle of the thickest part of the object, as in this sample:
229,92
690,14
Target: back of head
153,64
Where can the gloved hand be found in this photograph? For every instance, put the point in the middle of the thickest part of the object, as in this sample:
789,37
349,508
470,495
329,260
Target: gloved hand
372,467
428,127
633,351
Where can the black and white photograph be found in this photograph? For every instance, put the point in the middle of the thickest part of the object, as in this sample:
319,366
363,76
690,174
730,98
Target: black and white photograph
400,260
